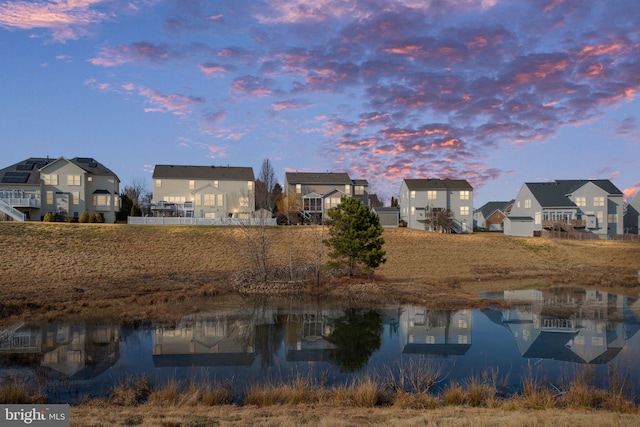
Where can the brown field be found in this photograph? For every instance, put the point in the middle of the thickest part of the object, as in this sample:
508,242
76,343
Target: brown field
52,271
141,272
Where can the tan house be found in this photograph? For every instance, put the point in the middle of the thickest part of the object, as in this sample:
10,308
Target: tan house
62,187
203,191
317,192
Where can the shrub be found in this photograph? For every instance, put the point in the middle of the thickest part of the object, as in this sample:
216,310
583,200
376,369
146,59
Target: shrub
48,217
93,218
99,218
84,217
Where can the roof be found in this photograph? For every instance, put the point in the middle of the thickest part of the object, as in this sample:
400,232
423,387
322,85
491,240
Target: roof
438,184
555,193
317,178
232,173
25,172
91,165
490,207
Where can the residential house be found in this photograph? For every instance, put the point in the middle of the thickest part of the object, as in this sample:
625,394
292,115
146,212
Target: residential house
317,192
444,205
593,206
62,187
632,215
203,191
490,217
388,216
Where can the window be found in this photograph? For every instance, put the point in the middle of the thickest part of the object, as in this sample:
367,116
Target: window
89,178
432,195
462,324
49,197
413,210
101,200
347,188
598,201
75,197
250,186
192,184
463,339
73,179
209,214
581,201
600,217
517,204
313,205
220,200
298,188
612,218
538,218
413,194
332,202
244,201
51,179
158,183
175,199
215,183
464,210
359,190
465,194
430,339
527,204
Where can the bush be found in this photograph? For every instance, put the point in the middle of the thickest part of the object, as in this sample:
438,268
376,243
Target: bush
48,217
93,218
99,218
84,217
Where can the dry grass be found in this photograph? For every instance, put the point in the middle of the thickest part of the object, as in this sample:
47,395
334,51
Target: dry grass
54,271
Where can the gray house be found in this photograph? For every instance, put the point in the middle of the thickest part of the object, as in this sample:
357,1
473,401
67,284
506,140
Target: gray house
388,216
593,206
444,205
632,216
65,188
490,217
317,192
203,191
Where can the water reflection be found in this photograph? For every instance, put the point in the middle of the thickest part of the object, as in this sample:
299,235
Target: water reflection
570,324
556,328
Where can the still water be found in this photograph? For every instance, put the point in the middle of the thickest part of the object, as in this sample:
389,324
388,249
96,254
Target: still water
549,333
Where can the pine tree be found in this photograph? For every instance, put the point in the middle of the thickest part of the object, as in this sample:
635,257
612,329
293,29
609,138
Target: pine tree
354,236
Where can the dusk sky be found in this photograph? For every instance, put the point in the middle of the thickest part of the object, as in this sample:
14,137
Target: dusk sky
498,92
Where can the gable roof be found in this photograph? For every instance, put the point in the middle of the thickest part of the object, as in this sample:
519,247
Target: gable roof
490,207
91,165
555,193
438,184
25,172
232,173
317,178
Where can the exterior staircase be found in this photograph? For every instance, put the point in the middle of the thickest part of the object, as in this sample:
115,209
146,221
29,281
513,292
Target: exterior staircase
11,211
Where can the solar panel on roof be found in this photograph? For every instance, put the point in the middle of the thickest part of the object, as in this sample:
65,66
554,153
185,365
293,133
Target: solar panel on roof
15,177
93,165
25,166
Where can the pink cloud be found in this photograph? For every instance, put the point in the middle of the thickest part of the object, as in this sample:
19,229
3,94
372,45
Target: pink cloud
290,104
175,103
120,55
631,191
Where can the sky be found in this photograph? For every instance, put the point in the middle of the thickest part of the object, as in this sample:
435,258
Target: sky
497,92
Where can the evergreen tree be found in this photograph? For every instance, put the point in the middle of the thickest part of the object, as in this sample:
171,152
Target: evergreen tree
354,235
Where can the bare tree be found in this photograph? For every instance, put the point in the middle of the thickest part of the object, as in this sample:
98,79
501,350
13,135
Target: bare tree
137,191
264,187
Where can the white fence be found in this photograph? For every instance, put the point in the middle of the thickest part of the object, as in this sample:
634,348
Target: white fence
149,220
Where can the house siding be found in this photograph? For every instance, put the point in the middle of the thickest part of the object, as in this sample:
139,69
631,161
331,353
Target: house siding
415,204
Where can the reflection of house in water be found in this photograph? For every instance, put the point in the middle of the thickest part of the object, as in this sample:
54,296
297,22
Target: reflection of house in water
435,332
570,324
221,338
73,351
307,330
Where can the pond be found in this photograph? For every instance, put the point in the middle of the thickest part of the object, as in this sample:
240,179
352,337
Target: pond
549,333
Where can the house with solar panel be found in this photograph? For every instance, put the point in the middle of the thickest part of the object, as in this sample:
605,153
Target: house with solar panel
571,206
63,187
